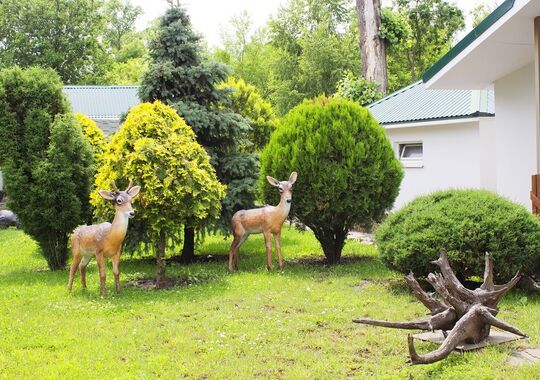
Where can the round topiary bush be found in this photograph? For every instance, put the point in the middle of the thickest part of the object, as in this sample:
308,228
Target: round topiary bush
467,224
347,171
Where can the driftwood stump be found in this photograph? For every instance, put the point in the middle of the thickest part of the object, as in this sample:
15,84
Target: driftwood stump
463,315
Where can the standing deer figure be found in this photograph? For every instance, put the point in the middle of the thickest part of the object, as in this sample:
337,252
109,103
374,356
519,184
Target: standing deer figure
267,220
104,239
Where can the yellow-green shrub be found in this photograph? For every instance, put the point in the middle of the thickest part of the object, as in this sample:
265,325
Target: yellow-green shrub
95,137
158,151
246,101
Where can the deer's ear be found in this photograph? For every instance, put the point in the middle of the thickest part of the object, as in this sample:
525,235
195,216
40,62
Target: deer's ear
292,178
105,194
272,181
134,191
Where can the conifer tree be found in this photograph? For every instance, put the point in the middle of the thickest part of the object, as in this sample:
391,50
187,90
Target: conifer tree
181,75
45,159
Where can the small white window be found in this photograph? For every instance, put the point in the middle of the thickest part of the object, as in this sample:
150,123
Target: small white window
411,154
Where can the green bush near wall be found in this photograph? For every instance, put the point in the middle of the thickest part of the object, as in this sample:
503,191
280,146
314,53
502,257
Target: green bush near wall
467,223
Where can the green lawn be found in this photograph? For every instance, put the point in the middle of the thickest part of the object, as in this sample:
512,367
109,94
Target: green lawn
294,325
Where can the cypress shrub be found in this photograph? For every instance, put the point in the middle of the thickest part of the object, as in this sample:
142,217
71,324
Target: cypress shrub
46,161
347,171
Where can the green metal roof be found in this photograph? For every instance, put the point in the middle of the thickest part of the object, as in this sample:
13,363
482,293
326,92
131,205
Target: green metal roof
500,11
102,102
416,103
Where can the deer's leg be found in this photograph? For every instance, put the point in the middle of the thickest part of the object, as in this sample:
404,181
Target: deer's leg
233,251
277,240
236,257
237,251
240,235
74,265
268,244
82,268
116,271
101,267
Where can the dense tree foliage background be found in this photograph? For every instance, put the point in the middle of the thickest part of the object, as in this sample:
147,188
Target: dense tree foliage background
84,41
311,47
62,35
305,50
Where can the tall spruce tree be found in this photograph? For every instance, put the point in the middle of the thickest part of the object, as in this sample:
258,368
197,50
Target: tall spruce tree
181,75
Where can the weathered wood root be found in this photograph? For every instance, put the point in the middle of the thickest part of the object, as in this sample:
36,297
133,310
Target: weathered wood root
444,320
473,328
414,325
464,315
427,300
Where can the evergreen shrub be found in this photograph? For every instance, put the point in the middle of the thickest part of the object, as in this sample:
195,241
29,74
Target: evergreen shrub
45,159
467,224
347,172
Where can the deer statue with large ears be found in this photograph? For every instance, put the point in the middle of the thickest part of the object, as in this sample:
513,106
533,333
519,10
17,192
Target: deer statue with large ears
104,239
267,220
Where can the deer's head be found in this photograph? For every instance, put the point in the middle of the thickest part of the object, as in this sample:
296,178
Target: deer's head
122,199
284,187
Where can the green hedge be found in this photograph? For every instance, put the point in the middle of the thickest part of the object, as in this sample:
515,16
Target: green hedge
467,223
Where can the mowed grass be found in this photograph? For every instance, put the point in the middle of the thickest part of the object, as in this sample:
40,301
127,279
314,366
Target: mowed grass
251,324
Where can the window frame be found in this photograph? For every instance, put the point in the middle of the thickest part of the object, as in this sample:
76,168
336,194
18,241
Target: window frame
410,162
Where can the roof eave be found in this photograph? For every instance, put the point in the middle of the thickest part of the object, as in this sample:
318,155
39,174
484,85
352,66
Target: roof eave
487,23
437,121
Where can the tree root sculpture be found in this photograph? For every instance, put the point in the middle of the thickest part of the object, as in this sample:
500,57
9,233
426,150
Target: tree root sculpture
463,315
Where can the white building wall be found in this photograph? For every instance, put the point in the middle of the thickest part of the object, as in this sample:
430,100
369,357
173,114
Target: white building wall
515,140
451,158
488,153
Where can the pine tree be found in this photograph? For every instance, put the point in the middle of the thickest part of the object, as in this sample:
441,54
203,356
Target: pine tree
182,76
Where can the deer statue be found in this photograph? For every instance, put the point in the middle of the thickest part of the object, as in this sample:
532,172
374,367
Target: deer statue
104,239
267,220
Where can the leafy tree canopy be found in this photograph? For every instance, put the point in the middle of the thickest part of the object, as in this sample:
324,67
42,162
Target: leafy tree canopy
62,35
418,33
120,17
317,43
358,90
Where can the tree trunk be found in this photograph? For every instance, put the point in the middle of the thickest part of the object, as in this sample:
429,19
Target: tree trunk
372,48
332,245
410,58
188,251
160,279
55,251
